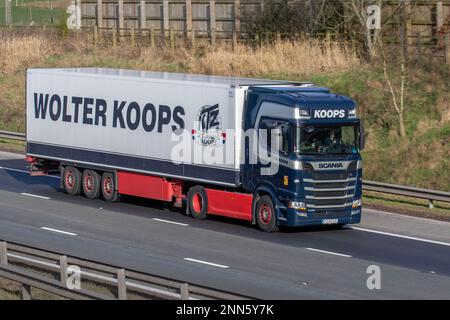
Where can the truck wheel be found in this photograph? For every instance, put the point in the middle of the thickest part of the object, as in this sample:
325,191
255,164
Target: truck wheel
198,202
91,184
265,214
108,188
72,181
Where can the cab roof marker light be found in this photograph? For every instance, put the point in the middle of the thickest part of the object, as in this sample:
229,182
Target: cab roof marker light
352,113
302,114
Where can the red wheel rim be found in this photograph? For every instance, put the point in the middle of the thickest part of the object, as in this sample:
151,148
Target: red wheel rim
107,185
89,182
70,179
197,202
265,213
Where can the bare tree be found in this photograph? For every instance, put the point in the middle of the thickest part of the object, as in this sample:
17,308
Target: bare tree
397,92
394,63
360,11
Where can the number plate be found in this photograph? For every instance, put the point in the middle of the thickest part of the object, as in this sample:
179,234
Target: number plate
330,221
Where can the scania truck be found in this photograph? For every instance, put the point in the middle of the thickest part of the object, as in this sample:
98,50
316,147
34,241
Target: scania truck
190,140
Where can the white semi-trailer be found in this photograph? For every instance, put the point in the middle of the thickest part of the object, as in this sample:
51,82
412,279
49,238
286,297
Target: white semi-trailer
186,139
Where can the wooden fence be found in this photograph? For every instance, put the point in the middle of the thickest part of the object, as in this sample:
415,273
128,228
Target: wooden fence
224,16
179,15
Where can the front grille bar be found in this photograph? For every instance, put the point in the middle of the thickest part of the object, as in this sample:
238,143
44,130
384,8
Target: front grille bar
329,206
330,189
330,198
329,181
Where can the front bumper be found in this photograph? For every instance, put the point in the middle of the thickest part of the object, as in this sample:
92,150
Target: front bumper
295,218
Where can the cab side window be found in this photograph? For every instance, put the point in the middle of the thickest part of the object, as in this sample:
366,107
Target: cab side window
283,133
268,125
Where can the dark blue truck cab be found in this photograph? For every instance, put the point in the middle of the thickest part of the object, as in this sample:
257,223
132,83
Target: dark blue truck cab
319,179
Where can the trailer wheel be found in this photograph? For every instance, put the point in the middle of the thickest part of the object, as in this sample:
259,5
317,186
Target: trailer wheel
91,184
198,202
72,181
108,187
265,214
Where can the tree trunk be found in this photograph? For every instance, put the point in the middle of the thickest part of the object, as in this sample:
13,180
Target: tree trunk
402,125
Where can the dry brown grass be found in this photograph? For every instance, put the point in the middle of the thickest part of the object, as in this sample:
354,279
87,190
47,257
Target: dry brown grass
17,52
281,58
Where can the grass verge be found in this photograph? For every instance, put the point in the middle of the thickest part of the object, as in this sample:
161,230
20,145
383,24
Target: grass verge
406,206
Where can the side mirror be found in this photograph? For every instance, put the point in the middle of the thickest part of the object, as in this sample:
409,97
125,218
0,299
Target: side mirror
362,138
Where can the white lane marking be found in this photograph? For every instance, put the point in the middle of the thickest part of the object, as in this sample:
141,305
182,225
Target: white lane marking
35,196
171,222
330,252
401,216
401,236
25,171
207,263
59,231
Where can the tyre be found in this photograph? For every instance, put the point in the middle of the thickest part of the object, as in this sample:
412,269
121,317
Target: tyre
72,181
198,202
108,187
265,214
91,184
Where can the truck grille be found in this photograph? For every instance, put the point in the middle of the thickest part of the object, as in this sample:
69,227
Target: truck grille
325,190
322,214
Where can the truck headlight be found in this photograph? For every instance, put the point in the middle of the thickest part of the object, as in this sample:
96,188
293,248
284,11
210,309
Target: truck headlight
297,205
356,204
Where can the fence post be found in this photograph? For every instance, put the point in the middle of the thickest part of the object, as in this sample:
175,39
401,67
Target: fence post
63,270
142,17
408,22
166,17
8,16
25,292
121,284
193,38
3,253
120,17
152,39
132,37
419,47
184,291
172,39
237,16
212,21
447,48
78,3
95,35
188,18
235,40
99,14
439,15
114,37
213,38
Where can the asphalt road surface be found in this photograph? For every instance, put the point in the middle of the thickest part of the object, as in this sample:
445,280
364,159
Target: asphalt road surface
413,254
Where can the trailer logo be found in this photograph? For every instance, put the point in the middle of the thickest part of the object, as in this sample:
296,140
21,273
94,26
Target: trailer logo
208,127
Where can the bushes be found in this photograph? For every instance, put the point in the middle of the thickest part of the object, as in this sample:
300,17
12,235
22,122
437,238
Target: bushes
291,17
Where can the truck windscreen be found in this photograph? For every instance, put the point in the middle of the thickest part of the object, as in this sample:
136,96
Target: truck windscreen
326,140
